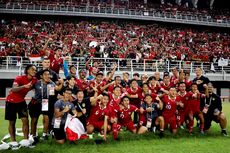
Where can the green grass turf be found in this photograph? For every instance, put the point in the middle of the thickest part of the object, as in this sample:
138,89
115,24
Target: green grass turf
212,142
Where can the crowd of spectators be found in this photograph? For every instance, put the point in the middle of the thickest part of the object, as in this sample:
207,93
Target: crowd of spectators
124,3
114,40
209,9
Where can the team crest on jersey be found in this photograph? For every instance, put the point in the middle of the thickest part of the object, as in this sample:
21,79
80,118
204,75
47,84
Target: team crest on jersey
83,104
129,113
96,112
213,99
186,98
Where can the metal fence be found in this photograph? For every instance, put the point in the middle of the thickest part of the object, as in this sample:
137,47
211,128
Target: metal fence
113,12
130,65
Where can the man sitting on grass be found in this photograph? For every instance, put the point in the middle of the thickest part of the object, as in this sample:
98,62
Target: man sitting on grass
124,116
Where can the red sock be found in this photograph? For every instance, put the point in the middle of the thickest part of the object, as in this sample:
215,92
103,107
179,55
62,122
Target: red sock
190,125
115,131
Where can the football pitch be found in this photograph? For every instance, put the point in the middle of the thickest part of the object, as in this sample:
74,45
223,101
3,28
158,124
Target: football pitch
211,142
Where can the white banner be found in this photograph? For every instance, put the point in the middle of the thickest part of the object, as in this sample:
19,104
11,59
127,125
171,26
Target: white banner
223,62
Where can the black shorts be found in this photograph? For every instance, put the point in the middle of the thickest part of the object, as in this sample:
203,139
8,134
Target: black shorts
34,108
59,134
208,121
12,109
46,113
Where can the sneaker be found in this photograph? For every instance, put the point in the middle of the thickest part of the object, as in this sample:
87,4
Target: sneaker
14,145
51,133
182,127
198,123
90,136
101,134
224,133
98,141
4,146
154,129
31,146
45,137
161,134
36,140
26,143
202,132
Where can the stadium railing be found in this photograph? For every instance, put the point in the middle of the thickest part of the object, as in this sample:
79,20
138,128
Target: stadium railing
126,64
113,12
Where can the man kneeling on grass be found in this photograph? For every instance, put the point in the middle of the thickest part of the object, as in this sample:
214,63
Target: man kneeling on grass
124,117
61,109
149,114
213,111
98,112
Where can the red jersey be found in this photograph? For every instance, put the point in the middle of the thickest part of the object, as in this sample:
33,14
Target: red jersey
115,100
125,114
194,101
173,81
135,101
184,99
164,86
188,84
111,87
82,84
142,96
155,89
170,106
98,113
55,64
17,97
114,104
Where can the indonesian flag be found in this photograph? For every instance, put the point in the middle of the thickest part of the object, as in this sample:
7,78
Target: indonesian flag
35,58
74,129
